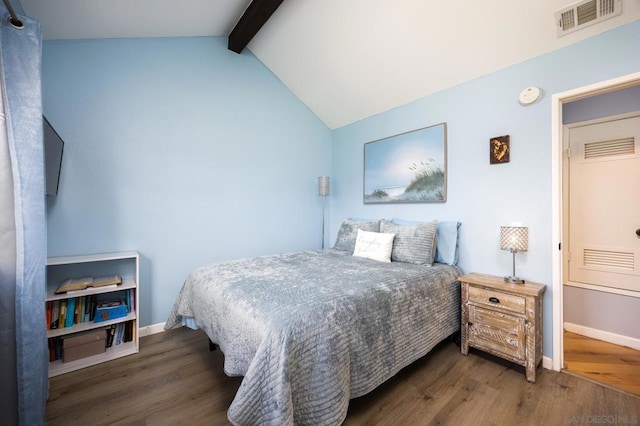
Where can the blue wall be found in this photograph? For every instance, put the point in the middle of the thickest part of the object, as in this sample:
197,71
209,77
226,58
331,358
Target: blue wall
181,150
480,195
192,154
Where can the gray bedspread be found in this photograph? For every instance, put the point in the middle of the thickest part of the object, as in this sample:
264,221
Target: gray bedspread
310,330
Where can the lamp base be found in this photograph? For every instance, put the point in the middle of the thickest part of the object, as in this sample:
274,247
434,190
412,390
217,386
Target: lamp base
514,280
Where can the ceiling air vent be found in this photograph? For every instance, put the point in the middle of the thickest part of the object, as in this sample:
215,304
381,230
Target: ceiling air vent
585,13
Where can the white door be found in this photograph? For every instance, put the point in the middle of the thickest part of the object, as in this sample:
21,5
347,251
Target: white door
604,204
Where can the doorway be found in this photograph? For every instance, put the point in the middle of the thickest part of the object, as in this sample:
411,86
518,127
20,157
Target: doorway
601,210
558,232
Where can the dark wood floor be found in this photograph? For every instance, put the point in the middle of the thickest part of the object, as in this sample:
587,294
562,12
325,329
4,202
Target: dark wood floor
175,380
613,365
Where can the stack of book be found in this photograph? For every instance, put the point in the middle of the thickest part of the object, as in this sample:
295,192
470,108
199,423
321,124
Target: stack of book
77,310
67,312
120,333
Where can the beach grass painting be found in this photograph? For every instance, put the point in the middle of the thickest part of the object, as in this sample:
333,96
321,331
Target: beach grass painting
407,168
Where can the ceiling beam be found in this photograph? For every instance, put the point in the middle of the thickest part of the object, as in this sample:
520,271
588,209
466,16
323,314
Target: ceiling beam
258,12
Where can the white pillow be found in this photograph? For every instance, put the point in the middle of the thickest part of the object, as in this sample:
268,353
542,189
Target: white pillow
374,245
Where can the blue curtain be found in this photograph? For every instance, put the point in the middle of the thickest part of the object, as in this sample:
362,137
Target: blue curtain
23,340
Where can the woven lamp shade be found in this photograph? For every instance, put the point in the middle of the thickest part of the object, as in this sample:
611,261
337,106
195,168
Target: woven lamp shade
514,238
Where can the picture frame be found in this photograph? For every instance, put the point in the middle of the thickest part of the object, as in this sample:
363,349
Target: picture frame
409,167
499,150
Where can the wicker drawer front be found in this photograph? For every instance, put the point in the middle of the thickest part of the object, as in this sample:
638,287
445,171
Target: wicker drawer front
496,332
497,299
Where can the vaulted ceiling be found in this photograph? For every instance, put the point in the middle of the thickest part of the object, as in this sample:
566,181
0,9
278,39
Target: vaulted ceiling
345,59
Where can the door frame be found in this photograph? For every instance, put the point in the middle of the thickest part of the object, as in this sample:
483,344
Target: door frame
557,135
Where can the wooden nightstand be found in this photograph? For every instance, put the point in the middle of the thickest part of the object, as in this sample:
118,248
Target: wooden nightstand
503,319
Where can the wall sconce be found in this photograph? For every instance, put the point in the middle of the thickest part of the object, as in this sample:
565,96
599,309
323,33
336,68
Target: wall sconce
323,191
514,239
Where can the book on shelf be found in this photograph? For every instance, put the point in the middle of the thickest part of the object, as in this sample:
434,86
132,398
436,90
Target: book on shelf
51,346
81,311
77,317
55,309
111,331
79,284
128,331
130,300
63,313
71,312
48,315
92,307
119,331
55,348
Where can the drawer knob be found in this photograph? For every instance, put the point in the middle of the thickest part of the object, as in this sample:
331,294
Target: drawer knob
494,299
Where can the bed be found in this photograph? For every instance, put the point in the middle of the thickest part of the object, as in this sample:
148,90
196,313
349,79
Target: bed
310,330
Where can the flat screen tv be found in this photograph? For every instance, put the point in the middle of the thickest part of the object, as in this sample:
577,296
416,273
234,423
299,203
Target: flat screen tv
53,149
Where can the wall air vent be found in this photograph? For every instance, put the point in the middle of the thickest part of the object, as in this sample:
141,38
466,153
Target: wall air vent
610,148
585,13
612,259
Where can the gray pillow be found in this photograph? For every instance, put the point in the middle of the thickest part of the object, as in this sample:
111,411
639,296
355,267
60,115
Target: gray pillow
348,233
413,243
447,239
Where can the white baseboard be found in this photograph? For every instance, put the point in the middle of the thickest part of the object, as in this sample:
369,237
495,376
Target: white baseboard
151,329
547,363
605,336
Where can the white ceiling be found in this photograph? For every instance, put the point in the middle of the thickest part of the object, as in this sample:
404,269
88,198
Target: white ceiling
346,60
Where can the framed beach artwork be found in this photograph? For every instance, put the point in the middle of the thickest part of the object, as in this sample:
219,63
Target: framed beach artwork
407,168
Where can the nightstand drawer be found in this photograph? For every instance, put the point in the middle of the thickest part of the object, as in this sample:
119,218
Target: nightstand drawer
497,299
496,332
